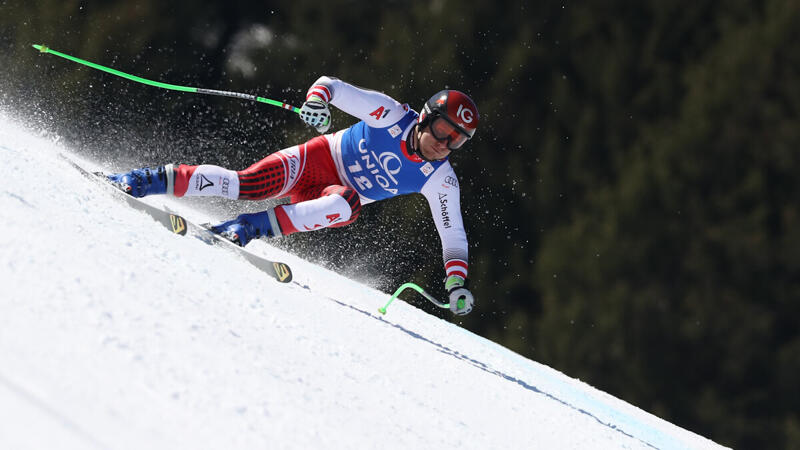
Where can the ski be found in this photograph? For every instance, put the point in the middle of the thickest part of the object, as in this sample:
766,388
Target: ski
180,226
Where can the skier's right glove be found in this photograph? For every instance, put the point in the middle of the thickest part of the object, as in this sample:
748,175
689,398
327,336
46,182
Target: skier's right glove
316,113
461,299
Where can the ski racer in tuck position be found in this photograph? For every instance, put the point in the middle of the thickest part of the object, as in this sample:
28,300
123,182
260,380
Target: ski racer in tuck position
392,151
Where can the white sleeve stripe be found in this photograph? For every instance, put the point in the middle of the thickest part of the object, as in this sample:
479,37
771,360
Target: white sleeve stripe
461,271
320,91
456,267
456,262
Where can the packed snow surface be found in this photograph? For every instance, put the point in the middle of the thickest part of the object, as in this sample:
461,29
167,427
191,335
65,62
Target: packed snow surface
117,334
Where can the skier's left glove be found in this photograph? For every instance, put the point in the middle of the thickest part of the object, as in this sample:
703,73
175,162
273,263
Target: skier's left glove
461,299
316,113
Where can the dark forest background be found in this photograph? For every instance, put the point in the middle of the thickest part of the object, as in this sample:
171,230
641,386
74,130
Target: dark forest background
631,197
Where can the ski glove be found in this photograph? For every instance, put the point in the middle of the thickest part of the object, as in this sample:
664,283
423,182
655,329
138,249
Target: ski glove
315,112
461,299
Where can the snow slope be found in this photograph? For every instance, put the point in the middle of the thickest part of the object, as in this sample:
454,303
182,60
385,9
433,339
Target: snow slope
116,334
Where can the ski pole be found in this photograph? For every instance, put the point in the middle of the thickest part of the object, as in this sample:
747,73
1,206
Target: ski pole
413,286
174,87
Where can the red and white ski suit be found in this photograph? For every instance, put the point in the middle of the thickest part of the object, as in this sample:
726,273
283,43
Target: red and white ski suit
330,177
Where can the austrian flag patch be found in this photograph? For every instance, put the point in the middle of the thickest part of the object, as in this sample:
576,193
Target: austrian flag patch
395,130
427,169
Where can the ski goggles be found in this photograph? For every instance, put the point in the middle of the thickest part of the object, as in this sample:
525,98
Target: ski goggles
442,129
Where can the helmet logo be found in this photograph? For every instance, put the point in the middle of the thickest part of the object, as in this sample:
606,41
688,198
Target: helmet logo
465,114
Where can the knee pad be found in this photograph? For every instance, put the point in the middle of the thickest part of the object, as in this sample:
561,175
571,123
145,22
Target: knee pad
351,196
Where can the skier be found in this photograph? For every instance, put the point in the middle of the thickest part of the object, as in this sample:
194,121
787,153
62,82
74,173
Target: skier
392,151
